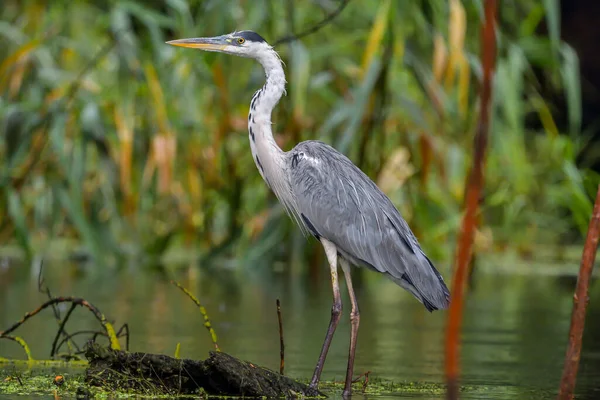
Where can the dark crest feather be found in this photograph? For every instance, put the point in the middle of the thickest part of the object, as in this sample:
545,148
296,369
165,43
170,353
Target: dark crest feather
251,36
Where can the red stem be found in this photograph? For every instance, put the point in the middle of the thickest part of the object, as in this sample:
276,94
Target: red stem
580,302
473,192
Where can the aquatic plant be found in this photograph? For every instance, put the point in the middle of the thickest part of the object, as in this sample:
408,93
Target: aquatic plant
116,144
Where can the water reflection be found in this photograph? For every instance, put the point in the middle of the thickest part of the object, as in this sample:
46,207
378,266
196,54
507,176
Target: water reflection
515,327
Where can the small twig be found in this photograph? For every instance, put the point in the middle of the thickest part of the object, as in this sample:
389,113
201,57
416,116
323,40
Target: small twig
21,342
281,345
207,323
85,332
124,331
160,381
46,291
110,332
366,382
43,288
314,28
61,328
16,376
580,302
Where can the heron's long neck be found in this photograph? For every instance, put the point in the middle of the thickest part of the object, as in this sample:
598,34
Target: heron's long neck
269,158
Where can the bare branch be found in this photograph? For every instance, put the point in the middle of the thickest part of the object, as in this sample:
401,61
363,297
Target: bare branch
110,332
314,28
281,345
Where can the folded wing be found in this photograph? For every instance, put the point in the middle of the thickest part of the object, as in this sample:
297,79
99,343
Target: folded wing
337,201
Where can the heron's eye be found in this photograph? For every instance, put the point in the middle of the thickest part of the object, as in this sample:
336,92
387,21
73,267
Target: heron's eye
241,40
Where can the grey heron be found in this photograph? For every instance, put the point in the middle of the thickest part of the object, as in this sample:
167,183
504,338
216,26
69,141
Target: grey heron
330,198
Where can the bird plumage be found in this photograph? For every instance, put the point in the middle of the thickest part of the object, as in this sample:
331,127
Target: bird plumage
339,202
330,197
323,191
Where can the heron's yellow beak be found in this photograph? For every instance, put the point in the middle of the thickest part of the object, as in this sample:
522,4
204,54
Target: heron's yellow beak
218,43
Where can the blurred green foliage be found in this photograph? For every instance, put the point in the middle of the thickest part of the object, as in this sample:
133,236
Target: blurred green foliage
116,143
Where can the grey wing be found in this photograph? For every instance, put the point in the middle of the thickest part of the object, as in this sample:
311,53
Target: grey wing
338,202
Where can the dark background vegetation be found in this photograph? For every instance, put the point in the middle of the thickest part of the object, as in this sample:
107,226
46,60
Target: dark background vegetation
118,148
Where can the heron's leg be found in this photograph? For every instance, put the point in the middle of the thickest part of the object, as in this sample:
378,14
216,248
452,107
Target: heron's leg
354,321
336,310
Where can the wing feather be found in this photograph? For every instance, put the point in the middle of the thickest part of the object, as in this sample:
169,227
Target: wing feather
344,206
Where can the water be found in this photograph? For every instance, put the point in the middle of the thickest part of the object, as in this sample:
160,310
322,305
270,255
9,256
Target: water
514,335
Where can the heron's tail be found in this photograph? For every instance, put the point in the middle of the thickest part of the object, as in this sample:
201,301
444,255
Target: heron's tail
434,293
409,267
440,298
424,282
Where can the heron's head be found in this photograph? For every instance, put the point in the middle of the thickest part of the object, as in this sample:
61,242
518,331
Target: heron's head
243,43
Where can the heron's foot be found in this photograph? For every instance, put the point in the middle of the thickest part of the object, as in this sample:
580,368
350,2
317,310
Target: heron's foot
313,389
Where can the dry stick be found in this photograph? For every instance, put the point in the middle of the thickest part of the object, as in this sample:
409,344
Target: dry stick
61,329
366,382
110,332
207,324
281,346
474,185
43,288
580,302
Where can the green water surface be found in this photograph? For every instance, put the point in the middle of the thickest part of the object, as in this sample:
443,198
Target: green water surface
514,333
